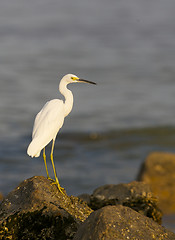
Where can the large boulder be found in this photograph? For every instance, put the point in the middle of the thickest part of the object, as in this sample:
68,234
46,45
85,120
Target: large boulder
136,195
121,223
158,171
37,210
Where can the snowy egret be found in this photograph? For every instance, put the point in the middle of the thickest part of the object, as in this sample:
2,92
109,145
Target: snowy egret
49,121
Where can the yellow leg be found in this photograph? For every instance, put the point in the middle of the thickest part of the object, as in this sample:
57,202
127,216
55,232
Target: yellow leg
54,170
44,157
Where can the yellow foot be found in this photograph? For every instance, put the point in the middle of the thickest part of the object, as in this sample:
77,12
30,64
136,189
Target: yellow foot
58,185
50,179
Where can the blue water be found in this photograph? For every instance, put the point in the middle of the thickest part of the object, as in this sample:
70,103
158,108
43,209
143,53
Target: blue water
127,47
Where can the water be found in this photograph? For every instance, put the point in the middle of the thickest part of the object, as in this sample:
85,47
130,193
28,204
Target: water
127,47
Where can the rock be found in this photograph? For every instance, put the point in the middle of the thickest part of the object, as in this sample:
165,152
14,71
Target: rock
121,223
136,195
37,210
86,198
1,197
158,171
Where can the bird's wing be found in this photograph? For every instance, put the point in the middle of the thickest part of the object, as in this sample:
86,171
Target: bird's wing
46,126
49,120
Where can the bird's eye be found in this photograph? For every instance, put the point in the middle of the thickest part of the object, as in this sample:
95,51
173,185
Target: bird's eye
72,78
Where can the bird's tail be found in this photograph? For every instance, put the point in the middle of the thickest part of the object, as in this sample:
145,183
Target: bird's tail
33,148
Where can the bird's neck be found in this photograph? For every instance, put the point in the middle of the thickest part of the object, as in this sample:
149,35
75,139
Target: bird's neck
68,104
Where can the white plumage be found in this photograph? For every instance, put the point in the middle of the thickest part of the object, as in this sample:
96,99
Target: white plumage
49,121
46,126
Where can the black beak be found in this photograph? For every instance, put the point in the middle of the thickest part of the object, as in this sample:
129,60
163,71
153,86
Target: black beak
86,81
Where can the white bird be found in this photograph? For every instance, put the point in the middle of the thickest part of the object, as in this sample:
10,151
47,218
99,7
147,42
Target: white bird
49,121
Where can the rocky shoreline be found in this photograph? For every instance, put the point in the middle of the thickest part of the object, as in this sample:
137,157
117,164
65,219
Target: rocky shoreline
37,210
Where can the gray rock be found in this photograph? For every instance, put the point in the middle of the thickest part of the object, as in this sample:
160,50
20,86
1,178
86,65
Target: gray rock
121,223
158,171
136,195
86,198
37,210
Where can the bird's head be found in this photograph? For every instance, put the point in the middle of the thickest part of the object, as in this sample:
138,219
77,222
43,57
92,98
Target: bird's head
71,78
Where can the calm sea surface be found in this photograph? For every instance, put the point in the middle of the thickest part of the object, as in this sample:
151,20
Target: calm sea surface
127,47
